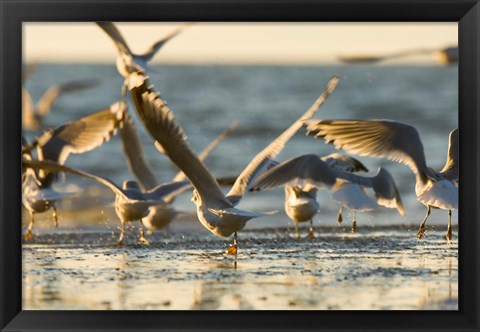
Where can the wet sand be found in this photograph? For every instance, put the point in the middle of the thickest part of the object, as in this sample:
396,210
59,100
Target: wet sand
381,267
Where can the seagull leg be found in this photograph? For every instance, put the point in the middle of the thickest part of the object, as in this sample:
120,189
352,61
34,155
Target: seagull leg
122,234
421,230
142,238
310,230
339,216
28,235
297,234
354,222
55,217
232,249
449,228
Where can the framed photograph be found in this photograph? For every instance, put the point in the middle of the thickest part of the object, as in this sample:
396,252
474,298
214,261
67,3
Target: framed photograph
239,165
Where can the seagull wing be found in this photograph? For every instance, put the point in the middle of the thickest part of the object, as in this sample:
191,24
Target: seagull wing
353,196
134,152
180,176
386,191
29,116
116,37
374,138
160,123
53,167
307,168
344,163
450,170
382,183
44,104
205,152
152,50
81,135
263,159
166,189
367,58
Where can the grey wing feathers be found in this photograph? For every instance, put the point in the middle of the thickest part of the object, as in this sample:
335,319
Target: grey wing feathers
374,138
30,119
81,135
309,168
44,104
168,189
213,144
53,167
160,123
152,50
450,170
134,152
263,159
116,37
344,163
386,191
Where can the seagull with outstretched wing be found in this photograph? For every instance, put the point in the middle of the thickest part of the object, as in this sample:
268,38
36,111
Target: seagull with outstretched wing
401,143
162,214
303,175
131,204
127,61
446,56
79,136
33,113
215,210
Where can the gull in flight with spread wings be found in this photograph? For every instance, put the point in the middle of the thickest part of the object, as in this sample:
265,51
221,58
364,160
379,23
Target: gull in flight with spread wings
401,143
304,174
445,56
33,114
127,61
79,136
162,214
215,210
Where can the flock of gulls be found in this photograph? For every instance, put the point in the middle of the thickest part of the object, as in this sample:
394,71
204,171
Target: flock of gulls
150,202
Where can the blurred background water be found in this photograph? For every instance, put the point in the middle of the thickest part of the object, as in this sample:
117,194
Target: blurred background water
266,100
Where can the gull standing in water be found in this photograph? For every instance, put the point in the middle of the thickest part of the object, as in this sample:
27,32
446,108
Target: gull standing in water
401,143
344,194
215,210
82,135
301,199
131,204
304,174
162,214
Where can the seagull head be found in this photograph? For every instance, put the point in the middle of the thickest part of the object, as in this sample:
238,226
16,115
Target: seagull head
130,184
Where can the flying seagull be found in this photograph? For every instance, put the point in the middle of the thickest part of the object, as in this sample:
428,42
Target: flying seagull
215,210
79,136
445,56
33,113
127,61
162,214
398,142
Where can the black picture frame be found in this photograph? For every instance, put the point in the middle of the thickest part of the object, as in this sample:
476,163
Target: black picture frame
14,12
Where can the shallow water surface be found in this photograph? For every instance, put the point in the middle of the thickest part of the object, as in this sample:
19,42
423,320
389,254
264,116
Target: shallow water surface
376,268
